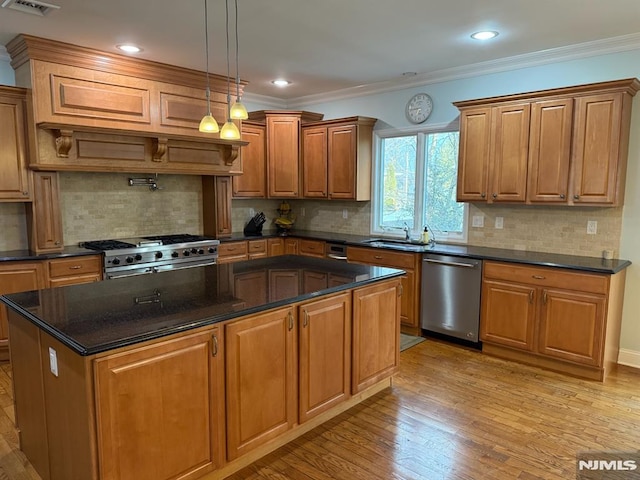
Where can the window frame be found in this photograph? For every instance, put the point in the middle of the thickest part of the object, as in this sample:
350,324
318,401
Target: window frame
421,133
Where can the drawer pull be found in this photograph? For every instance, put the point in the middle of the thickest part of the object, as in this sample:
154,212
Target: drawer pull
538,277
377,257
530,296
75,267
214,345
305,320
290,316
544,297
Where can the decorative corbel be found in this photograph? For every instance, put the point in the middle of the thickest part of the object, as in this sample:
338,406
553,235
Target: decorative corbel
159,149
64,142
231,153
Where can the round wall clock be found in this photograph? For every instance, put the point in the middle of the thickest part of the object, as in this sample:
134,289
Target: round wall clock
419,108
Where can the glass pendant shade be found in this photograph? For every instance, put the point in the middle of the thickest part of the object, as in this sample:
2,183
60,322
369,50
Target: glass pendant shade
208,124
230,131
239,111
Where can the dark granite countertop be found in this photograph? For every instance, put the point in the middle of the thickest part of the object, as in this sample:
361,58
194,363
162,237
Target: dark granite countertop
97,317
557,260
18,255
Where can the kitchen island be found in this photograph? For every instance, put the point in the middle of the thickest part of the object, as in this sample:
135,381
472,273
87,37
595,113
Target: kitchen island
195,373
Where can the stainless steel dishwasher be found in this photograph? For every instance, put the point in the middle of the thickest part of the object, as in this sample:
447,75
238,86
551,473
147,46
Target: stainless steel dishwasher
450,296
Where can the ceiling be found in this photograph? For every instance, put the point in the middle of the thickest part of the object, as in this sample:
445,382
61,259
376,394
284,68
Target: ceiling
326,46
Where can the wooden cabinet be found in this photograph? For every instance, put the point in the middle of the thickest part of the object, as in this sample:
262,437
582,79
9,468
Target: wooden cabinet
229,252
325,354
257,249
253,181
74,270
159,409
337,158
411,264
275,246
525,148
376,333
291,246
260,379
44,217
311,248
216,206
561,318
14,181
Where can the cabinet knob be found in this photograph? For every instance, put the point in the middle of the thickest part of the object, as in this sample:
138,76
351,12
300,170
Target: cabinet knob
562,196
483,195
56,242
25,193
495,195
576,197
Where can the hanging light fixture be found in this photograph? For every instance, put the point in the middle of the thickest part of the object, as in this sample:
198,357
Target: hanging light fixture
238,110
208,124
229,130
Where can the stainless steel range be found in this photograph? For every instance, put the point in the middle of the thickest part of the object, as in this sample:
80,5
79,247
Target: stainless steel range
136,256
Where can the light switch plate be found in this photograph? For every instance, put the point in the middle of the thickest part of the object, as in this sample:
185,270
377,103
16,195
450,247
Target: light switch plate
499,223
252,212
478,221
302,212
345,213
592,227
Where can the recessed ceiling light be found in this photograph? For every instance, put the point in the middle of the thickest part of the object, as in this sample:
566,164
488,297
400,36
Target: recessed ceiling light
281,82
129,48
484,35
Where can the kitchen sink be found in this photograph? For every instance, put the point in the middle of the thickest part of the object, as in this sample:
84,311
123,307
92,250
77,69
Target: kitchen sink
404,245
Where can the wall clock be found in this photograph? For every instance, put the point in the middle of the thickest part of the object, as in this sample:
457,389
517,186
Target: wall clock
419,108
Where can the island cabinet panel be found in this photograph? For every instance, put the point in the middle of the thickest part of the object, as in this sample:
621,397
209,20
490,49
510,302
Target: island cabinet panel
325,354
376,334
14,181
160,409
260,379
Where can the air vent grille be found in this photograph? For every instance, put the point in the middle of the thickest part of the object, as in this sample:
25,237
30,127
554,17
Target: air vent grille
34,7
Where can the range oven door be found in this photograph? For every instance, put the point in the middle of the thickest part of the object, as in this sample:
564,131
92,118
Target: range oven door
130,271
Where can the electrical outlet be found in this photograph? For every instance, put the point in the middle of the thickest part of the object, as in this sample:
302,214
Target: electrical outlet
478,221
499,223
592,227
252,212
53,361
345,214
302,212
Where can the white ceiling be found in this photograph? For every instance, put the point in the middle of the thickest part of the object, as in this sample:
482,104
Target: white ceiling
326,46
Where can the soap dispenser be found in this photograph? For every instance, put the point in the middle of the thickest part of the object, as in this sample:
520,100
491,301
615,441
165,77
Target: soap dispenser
425,235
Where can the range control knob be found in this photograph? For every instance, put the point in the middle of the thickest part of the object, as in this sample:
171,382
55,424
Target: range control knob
175,254
115,261
210,250
159,254
186,253
138,257
194,250
129,260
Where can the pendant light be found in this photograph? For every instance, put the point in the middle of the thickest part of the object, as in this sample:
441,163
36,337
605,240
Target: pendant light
238,110
229,130
208,124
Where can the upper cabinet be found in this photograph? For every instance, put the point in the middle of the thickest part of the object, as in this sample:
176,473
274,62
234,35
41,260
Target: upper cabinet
564,146
14,181
253,157
336,159
98,111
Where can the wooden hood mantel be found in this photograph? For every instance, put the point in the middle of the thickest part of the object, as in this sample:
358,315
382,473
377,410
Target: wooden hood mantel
100,111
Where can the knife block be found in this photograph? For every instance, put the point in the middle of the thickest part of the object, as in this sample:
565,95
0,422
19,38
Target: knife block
253,228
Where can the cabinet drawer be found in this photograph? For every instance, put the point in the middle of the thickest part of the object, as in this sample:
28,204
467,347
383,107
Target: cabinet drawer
232,248
65,267
314,248
380,256
257,246
547,277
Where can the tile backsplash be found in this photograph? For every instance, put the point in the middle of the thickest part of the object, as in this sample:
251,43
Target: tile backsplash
13,226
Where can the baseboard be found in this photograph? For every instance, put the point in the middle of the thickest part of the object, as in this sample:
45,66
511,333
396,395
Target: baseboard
630,358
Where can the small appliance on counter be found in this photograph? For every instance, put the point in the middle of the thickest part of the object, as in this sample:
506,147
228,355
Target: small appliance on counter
254,226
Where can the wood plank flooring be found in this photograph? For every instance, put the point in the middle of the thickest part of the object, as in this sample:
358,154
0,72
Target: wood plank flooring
452,414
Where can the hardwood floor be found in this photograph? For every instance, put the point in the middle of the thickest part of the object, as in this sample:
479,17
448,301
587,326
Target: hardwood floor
452,414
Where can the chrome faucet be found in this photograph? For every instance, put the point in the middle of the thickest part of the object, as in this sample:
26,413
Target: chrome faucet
406,231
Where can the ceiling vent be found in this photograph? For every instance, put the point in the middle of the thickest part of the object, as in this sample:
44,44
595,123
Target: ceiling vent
34,7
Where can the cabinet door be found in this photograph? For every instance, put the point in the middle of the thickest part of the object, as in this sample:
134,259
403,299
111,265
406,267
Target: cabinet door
550,151
159,409
261,386
216,206
311,248
508,314
473,154
14,181
376,334
571,326
44,215
342,162
325,350
509,152
291,246
409,301
596,148
275,246
283,284
282,156
314,162
253,181
257,249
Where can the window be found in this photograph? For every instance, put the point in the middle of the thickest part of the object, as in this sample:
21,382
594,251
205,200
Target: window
415,184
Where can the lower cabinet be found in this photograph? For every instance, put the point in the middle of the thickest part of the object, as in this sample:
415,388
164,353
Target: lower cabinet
159,409
563,319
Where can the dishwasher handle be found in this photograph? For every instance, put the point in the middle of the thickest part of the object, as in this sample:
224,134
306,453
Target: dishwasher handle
451,264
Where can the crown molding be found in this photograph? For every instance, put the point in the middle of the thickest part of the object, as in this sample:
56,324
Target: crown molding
553,55
265,100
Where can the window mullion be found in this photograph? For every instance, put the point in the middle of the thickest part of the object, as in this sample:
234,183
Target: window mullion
421,171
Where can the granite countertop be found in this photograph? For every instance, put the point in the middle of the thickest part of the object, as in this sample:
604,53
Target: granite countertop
96,317
557,260
21,255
